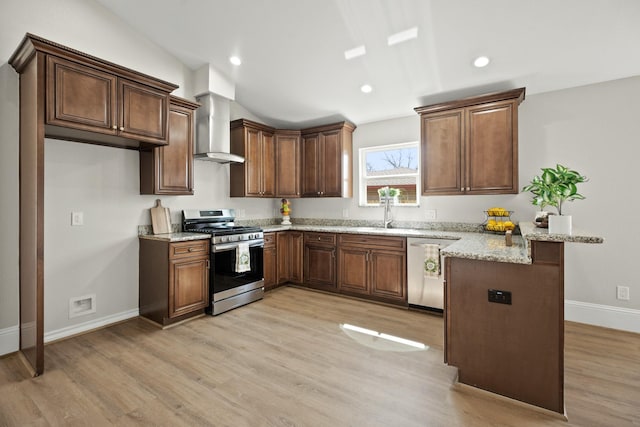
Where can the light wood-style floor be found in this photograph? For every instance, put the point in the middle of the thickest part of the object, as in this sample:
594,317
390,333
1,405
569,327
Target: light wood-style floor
285,361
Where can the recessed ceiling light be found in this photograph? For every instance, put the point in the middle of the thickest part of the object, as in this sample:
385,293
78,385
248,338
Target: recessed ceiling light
235,60
402,36
355,52
481,61
366,88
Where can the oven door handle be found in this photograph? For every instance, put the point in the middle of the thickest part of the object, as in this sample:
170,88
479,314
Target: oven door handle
233,246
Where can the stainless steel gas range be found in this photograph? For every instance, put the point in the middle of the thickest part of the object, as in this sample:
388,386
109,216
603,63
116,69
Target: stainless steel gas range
236,275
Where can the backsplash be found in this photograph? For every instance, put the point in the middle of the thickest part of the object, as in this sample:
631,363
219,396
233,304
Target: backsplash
421,225
144,230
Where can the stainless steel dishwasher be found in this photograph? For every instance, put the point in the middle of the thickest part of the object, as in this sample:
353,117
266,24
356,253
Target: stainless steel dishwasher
424,292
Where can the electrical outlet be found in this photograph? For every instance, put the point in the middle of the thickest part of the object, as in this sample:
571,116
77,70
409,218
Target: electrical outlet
345,213
77,218
241,213
430,214
622,293
80,306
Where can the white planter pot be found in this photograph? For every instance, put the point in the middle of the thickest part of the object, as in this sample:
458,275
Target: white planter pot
559,224
393,200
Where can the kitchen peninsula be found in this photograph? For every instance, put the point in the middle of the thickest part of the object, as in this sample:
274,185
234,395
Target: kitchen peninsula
504,306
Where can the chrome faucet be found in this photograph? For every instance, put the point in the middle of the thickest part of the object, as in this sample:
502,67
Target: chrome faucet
387,212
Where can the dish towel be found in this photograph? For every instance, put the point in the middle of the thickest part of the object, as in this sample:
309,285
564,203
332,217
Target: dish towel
243,259
431,260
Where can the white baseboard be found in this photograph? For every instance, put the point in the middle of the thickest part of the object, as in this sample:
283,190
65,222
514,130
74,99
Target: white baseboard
607,316
9,339
87,326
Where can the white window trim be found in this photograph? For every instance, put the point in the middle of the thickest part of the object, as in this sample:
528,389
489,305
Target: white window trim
362,202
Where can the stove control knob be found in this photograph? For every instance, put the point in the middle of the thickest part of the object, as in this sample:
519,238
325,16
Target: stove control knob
223,239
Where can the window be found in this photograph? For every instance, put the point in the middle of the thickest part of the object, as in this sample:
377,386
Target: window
394,166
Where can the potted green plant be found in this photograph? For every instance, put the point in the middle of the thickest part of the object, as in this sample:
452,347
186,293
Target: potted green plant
552,188
388,193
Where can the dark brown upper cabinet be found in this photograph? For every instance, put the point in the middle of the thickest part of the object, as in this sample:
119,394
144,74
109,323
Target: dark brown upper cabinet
470,146
256,176
326,161
288,160
169,169
88,99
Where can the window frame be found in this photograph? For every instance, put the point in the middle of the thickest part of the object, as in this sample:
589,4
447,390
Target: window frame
362,176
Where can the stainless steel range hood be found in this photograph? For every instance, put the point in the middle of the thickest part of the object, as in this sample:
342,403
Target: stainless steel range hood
212,130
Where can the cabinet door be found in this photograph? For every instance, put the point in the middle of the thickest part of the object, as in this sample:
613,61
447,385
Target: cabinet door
174,162
441,151
270,261
492,149
270,267
389,274
252,160
268,164
353,270
283,246
290,253
296,253
331,166
287,165
320,266
188,285
143,112
311,164
80,97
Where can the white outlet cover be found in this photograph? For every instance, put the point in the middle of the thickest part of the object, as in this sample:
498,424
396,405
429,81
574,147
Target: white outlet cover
80,306
430,214
77,218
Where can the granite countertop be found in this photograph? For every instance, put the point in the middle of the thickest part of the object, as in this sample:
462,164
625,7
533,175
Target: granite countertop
176,237
471,245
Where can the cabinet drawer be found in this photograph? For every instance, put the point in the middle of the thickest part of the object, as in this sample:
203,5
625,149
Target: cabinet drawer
398,243
320,238
188,249
269,240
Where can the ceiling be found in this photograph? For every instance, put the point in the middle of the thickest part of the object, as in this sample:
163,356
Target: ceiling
294,72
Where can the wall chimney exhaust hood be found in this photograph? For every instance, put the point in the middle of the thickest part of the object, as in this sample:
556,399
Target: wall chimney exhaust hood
212,130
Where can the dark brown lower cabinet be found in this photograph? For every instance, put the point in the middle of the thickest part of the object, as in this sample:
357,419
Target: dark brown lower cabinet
373,266
270,261
290,253
174,279
320,260
504,325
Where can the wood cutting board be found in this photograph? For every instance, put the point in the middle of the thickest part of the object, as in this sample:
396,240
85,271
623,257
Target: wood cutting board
160,219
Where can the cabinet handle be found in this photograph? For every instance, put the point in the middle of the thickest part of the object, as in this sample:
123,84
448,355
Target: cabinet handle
114,127
121,128
468,188
192,249
461,188
208,264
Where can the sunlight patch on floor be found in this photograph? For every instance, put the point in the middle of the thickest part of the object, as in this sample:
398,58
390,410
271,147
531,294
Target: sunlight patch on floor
379,340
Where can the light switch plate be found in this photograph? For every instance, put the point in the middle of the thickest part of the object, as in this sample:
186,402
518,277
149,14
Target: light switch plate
430,214
77,218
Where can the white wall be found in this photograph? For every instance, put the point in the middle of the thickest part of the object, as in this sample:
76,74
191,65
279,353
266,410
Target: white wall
8,206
